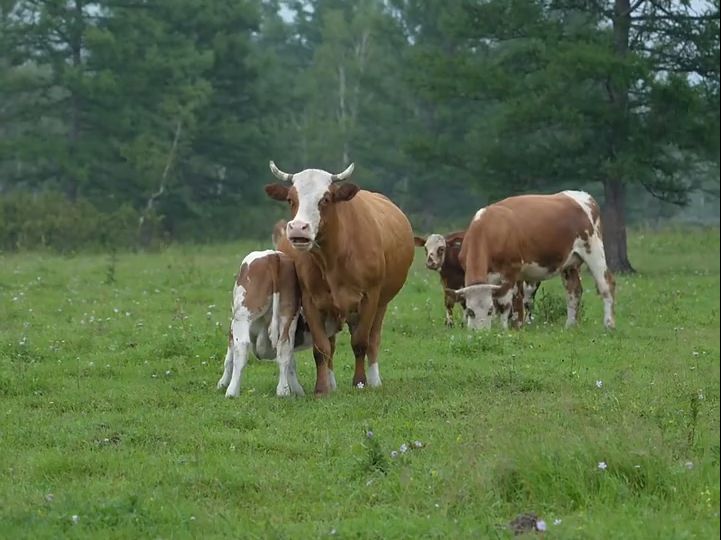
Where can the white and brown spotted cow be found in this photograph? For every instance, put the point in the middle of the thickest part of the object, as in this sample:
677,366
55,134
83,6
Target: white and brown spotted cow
532,238
266,320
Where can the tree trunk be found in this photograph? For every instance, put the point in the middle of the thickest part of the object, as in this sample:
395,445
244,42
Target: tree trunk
614,226
614,207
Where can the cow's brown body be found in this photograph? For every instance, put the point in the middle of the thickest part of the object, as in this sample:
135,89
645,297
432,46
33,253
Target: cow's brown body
355,260
532,238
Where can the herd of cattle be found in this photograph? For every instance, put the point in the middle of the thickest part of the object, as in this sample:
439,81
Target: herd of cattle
346,253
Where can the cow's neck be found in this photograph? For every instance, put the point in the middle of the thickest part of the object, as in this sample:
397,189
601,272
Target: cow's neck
329,250
476,264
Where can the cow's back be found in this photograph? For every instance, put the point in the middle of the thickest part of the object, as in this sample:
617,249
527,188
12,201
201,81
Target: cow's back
537,228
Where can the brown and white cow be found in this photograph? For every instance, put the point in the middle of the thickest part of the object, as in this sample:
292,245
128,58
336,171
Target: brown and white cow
442,255
352,251
532,238
266,320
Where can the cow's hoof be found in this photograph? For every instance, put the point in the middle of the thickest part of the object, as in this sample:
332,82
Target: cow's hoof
282,390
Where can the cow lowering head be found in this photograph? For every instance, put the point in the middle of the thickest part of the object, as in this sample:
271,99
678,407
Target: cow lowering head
311,194
435,246
479,304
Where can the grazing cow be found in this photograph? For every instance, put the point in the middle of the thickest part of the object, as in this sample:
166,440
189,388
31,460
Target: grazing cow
278,232
442,255
532,238
352,251
266,320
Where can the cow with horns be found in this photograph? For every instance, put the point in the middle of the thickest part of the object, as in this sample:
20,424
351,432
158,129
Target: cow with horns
352,251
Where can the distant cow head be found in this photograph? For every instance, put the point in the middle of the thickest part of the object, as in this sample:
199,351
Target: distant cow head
311,194
479,304
435,246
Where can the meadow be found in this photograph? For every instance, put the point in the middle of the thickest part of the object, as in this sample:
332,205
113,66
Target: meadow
111,426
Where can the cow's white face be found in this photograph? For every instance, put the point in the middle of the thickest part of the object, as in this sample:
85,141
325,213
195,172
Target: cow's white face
310,197
435,246
312,190
479,305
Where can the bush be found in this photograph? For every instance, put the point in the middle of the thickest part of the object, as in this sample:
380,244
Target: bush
49,221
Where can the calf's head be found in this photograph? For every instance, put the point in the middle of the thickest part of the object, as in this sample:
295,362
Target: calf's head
479,304
312,195
435,246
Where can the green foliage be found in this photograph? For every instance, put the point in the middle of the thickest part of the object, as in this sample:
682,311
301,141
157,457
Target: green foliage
49,220
110,411
174,108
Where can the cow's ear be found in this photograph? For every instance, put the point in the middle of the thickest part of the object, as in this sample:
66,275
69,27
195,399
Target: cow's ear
344,192
457,242
419,241
279,192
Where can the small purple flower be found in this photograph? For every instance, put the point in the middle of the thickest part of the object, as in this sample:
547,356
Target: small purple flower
540,525
369,434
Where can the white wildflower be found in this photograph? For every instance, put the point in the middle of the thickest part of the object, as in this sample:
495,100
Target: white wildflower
599,384
360,385
557,521
75,518
602,465
394,454
403,448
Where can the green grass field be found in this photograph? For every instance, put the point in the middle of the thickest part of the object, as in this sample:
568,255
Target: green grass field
111,426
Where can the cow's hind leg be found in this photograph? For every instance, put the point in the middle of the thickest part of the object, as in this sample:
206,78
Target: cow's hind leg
574,291
228,364
295,385
241,349
374,345
595,258
331,374
360,336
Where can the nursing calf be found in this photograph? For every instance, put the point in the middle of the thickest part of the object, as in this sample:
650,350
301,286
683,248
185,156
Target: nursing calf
532,238
266,321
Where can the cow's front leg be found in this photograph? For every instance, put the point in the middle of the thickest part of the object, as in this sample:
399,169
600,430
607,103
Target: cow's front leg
517,317
227,365
449,302
322,351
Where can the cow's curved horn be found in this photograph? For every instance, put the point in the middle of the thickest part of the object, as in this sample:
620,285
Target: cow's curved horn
280,175
344,175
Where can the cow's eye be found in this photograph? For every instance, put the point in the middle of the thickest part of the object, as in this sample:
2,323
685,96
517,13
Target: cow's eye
471,313
490,311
